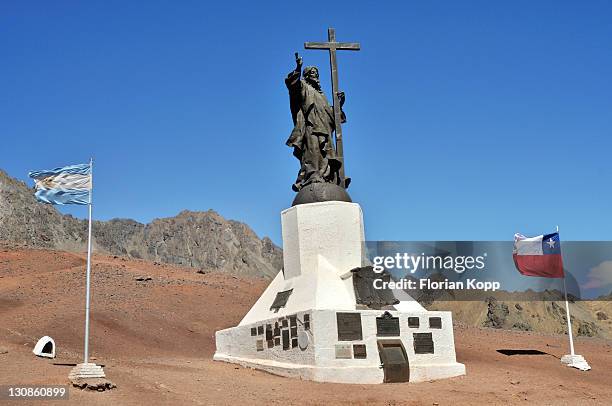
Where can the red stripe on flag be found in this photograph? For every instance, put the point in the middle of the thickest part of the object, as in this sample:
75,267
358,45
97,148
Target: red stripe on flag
546,266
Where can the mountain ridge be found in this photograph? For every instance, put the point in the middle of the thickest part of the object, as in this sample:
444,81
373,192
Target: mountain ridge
199,239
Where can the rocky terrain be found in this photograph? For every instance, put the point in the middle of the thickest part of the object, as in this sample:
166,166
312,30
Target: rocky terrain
202,240
589,318
152,327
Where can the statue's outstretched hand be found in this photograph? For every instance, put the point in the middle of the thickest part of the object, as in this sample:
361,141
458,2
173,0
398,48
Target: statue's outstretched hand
298,61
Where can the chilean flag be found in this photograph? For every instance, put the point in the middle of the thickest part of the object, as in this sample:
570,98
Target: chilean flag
538,256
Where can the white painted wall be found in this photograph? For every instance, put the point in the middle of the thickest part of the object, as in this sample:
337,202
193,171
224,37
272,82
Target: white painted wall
333,230
318,362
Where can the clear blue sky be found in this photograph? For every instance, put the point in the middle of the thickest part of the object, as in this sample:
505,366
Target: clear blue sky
467,120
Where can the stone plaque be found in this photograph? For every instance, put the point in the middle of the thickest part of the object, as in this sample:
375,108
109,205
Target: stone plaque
277,341
435,322
281,299
359,351
260,345
413,322
270,343
387,326
423,343
343,351
286,342
349,326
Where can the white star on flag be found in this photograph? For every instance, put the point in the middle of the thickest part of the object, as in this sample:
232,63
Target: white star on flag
551,243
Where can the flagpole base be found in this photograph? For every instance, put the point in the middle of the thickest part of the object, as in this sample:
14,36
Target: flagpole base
90,377
575,361
86,371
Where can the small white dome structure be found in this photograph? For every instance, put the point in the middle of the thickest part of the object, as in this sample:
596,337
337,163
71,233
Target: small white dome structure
45,347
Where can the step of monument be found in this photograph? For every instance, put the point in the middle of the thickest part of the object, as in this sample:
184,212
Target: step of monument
89,374
90,370
87,371
72,376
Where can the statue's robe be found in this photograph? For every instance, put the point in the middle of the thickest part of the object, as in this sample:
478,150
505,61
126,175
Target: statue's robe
311,138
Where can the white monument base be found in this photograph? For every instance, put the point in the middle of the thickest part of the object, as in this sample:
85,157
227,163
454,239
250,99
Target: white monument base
323,357
307,323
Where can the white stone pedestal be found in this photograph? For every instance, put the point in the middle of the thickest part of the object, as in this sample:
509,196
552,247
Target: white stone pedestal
322,242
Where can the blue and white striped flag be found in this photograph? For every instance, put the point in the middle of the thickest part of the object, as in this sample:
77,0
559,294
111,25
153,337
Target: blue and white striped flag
68,185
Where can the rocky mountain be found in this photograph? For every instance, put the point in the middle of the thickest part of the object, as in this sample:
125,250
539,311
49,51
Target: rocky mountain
203,240
590,318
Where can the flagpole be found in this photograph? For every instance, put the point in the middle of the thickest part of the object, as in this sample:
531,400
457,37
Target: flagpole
569,320
86,356
567,313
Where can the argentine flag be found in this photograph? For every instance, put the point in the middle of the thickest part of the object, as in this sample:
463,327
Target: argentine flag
68,185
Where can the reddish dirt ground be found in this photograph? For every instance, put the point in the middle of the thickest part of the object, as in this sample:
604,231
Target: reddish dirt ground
156,341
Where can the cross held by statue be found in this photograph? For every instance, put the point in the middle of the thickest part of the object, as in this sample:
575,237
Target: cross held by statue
332,46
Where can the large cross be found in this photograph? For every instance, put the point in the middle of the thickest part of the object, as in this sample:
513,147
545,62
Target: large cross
332,46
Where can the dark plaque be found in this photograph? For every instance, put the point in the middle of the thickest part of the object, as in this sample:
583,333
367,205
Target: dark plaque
269,335
387,325
307,321
294,342
281,299
413,322
293,321
423,343
276,331
270,343
286,342
260,345
293,331
359,351
435,322
366,294
277,341
285,323
253,331
260,330
349,326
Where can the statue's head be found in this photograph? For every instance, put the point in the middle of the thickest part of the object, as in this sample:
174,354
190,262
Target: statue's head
311,75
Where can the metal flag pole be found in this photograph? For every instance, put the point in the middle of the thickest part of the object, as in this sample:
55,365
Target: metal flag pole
567,312
87,370
86,357
572,359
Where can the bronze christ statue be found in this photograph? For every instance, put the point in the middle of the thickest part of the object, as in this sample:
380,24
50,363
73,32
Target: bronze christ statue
313,120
